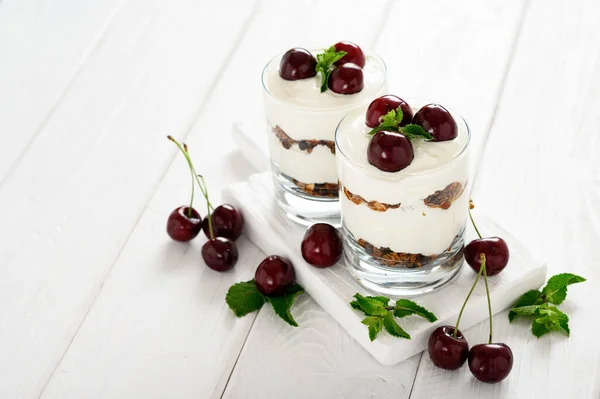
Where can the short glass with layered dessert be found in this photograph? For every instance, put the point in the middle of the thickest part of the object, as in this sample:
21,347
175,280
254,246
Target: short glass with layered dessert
306,94
403,172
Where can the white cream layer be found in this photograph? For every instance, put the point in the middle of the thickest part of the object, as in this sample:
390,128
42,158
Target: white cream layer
304,113
413,227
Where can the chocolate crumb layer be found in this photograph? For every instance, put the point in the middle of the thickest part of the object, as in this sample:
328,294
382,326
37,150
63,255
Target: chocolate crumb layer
318,189
303,145
374,205
444,198
398,259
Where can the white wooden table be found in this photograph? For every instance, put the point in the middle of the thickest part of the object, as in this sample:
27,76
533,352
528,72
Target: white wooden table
97,302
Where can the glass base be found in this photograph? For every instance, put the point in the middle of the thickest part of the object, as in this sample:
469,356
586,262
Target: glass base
373,274
302,207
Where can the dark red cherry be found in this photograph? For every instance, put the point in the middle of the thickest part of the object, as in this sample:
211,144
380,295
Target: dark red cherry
274,275
354,54
227,221
346,79
445,350
297,63
322,245
220,254
384,104
390,151
181,227
438,121
496,254
490,363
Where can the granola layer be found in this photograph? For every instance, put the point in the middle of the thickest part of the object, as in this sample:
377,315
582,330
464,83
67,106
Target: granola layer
318,189
303,145
399,259
444,198
374,205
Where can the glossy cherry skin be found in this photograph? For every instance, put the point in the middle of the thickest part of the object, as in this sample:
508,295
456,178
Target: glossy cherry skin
220,254
322,245
180,227
496,254
274,275
227,221
438,121
390,151
384,104
346,79
354,54
297,63
446,351
490,363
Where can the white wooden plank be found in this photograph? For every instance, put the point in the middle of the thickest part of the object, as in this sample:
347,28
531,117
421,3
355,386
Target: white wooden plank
473,41
74,198
44,46
107,358
540,177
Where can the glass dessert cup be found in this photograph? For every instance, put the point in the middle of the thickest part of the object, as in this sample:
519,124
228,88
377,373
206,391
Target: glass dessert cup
403,231
301,124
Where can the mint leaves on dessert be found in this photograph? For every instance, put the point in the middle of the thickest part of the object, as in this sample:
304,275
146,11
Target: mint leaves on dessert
391,121
325,62
539,305
244,298
381,315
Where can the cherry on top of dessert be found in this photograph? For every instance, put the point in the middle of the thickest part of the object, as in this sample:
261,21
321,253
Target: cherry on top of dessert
297,63
390,151
346,79
384,104
438,121
354,54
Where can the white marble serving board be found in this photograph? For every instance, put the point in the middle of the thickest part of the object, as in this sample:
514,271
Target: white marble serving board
333,288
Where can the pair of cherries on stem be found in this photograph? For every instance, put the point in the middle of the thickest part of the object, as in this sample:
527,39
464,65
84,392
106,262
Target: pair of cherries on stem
448,347
222,226
346,76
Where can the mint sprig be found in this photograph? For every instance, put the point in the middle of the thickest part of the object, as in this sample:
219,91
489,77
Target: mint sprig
243,298
539,305
325,61
391,121
380,314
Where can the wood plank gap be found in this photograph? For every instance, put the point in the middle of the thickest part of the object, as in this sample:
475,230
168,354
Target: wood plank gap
416,373
61,97
500,92
163,174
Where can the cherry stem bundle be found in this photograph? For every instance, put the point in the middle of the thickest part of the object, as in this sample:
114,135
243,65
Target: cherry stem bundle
201,183
481,269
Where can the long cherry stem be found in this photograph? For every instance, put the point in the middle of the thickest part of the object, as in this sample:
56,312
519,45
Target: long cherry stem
467,300
208,207
192,172
471,217
487,293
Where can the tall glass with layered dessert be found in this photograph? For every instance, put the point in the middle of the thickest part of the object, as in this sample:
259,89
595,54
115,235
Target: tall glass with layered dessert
404,197
306,94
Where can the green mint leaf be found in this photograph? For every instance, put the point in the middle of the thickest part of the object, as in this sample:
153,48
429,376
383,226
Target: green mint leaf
539,329
355,305
530,310
325,60
370,305
529,298
282,304
555,290
375,324
553,319
413,132
244,298
392,326
405,307
383,299
389,121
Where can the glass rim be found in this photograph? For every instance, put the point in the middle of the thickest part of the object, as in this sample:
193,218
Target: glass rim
328,109
401,174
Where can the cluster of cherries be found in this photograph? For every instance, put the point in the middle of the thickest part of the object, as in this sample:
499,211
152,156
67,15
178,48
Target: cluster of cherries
321,247
390,150
448,347
346,76
222,225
